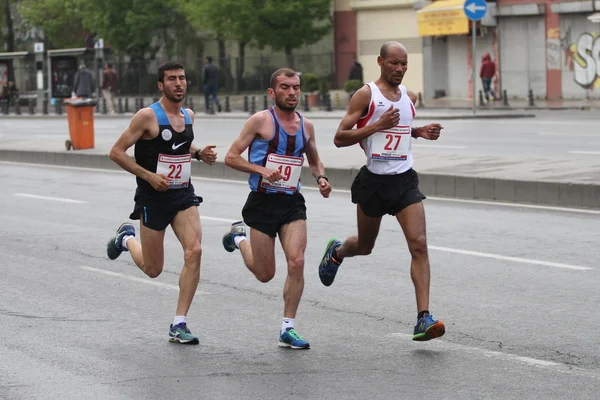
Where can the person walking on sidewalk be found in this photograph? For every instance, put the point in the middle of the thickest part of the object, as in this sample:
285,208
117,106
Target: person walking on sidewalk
387,184
211,84
110,86
83,84
487,74
163,134
278,138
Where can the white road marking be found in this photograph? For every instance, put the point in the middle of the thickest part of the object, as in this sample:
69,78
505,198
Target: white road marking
585,152
245,183
507,258
465,252
497,355
35,196
438,146
147,281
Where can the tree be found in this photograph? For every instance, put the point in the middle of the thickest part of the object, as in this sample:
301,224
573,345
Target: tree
287,25
226,20
61,21
137,28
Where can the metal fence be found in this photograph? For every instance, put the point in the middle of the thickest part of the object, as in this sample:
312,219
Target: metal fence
237,76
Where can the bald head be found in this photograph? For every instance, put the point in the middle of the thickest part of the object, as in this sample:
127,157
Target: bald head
392,47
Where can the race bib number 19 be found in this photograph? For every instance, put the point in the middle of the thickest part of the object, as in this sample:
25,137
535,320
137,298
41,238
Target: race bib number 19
290,169
178,169
391,144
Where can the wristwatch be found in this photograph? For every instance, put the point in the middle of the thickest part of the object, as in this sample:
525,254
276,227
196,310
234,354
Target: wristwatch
322,176
197,154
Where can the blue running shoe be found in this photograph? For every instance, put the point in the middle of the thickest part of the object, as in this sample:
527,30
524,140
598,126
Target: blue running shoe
329,266
428,328
114,247
180,333
237,229
291,339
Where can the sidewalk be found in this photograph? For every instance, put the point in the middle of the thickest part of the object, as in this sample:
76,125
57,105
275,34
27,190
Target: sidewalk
422,114
518,180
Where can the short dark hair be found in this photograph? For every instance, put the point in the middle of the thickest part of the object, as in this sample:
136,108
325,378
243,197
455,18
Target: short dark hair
209,59
281,71
109,65
168,66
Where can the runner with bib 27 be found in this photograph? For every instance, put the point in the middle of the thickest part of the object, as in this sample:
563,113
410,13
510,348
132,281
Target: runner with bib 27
383,113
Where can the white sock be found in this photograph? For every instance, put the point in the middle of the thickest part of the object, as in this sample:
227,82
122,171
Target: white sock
179,319
124,241
238,239
287,323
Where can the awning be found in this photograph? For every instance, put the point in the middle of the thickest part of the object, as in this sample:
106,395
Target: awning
14,55
67,52
595,17
443,17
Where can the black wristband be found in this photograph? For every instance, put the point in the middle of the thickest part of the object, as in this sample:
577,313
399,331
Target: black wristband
322,176
197,154
413,132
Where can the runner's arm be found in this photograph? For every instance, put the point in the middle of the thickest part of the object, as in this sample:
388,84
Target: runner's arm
136,129
312,155
234,158
346,135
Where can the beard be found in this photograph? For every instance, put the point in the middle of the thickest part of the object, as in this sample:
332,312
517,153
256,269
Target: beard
282,105
173,96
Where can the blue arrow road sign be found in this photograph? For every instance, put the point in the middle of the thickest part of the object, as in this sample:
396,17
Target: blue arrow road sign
475,9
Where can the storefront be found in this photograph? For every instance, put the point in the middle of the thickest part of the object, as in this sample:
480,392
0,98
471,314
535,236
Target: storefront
380,21
579,52
447,47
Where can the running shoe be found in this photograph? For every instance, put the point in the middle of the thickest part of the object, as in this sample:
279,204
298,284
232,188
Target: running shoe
329,266
114,247
428,328
291,339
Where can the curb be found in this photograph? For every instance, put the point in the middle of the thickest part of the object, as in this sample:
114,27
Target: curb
308,115
558,194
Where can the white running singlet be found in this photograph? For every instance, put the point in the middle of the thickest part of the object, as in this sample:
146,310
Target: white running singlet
388,152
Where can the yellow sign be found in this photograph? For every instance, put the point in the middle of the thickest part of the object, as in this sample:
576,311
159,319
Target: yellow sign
443,18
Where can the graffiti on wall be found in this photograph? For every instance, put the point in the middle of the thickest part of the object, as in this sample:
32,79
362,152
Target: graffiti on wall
583,58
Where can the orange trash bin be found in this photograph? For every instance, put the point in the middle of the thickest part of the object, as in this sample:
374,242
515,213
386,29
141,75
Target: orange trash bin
80,114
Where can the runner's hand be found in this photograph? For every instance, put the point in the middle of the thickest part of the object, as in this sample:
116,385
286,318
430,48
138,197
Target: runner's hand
389,119
159,182
272,175
431,131
208,155
324,187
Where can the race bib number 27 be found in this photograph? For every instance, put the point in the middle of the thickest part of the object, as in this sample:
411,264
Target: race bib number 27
178,169
391,144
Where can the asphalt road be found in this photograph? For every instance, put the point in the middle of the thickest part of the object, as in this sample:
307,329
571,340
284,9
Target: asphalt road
516,287
558,135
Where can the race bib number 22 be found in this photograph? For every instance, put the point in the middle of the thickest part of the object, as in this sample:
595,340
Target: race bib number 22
177,169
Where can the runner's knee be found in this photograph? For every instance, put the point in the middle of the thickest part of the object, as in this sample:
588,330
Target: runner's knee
418,246
152,270
265,275
296,265
192,255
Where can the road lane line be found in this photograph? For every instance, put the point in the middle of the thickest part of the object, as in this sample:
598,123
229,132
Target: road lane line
147,281
35,196
507,258
345,191
497,355
466,252
584,152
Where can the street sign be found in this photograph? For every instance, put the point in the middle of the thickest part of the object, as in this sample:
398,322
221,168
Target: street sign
38,47
475,9
99,45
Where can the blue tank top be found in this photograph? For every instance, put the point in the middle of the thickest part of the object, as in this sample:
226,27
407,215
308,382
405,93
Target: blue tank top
281,143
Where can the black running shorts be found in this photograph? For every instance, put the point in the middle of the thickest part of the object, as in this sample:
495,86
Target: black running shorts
267,212
379,195
158,209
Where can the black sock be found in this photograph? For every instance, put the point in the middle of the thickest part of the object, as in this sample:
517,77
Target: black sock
421,314
335,256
